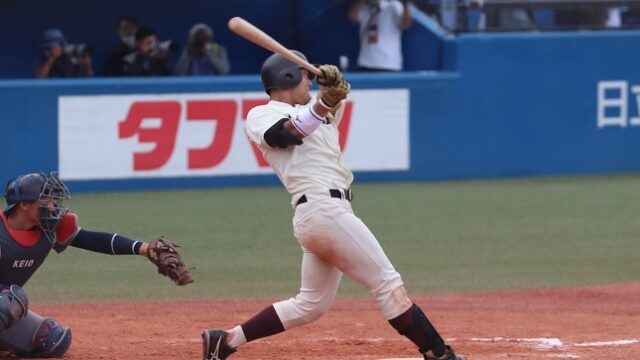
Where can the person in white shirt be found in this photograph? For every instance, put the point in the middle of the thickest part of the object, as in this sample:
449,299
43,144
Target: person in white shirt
381,23
298,136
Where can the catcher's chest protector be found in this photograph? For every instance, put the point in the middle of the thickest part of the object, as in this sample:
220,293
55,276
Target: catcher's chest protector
18,263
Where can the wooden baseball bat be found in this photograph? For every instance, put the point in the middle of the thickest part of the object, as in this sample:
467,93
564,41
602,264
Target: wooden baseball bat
248,31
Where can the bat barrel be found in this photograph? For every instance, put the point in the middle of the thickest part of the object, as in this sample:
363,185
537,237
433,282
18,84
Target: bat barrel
248,31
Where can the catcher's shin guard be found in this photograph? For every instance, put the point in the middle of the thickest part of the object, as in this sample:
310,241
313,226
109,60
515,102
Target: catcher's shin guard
214,345
51,339
14,305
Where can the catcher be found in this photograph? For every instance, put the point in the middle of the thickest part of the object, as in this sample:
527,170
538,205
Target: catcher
34,222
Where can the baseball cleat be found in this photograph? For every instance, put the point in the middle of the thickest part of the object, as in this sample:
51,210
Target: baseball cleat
214,345
448,355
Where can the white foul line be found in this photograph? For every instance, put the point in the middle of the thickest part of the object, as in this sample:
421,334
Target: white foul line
609,343
539,343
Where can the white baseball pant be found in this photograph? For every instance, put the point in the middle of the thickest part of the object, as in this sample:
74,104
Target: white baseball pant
335,241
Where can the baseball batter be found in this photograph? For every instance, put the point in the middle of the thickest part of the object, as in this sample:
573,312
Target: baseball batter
299,138
34,222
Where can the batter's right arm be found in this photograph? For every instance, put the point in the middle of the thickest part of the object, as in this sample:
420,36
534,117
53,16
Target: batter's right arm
298,128
333,89
310,118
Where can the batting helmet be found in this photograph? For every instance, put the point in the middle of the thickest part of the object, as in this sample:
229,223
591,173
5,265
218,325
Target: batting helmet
278,72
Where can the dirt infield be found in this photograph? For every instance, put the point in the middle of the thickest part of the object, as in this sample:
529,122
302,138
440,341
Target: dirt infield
600,322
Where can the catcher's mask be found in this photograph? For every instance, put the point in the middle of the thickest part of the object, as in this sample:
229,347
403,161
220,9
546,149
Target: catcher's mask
278,72
48,190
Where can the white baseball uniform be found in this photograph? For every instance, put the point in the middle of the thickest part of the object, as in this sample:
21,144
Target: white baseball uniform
334,241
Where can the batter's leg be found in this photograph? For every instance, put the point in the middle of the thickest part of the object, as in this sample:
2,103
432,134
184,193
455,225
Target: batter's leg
352,248
319,285
363,259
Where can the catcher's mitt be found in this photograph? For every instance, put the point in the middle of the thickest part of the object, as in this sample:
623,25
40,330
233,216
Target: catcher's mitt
163,254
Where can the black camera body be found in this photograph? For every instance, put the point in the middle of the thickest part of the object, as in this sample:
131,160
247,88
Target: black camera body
167,46
78,50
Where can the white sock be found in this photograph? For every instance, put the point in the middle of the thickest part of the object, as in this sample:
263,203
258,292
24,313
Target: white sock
237,338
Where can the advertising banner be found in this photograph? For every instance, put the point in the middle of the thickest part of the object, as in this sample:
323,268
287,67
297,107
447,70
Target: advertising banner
202,134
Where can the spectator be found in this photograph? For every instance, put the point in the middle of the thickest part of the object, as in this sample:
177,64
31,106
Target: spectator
381,23
148,58
509,20
202,56
631,16
61,60
614,18
127,27
582,18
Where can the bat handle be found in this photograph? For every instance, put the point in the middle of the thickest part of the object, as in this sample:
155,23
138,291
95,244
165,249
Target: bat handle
314,70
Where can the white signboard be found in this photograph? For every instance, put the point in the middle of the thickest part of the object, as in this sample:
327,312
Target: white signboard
174,135
614,97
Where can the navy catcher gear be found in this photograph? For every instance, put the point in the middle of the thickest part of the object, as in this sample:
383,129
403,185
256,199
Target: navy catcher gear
49,190
278,72
14,305
23,188
51,339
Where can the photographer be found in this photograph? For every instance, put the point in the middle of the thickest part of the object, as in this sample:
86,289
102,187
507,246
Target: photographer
126,27
149,57
62,60
202,56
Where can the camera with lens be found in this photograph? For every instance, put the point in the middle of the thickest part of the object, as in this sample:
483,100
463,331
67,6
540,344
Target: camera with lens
167,46
78,50
162,48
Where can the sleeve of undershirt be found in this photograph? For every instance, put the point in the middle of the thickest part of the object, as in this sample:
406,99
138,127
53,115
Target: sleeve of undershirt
106,243
259,120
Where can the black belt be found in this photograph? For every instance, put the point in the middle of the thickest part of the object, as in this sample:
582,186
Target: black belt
345,194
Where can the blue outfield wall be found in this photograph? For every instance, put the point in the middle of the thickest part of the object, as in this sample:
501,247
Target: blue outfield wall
507,105
530,101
